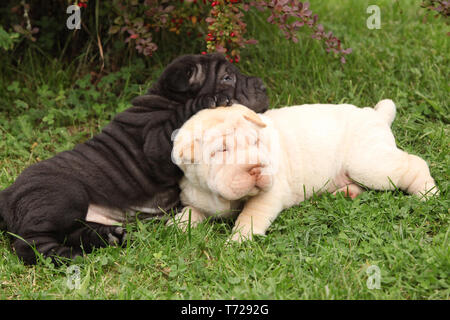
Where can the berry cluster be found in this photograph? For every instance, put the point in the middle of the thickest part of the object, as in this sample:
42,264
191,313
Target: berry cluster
219,23
82,3
226,29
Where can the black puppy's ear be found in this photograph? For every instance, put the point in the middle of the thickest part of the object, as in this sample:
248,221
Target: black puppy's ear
178,80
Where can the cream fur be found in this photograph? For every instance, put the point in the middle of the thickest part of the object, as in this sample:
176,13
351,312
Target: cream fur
301,150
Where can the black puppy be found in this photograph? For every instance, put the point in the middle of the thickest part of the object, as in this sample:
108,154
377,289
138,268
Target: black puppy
127,165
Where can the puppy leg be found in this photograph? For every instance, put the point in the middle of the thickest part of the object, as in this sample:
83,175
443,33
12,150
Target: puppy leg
45,244
417,179
258,214
351,190
188,214
94,235
386,168
46,216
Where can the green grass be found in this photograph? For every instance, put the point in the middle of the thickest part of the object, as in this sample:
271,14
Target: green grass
319,249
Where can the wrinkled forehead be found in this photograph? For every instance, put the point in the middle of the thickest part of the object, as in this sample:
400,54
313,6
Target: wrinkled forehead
206,61
198,59
227,131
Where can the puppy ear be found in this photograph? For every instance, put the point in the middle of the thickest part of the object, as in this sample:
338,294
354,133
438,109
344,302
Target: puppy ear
184,151
253,117
177,78
178,81
187,152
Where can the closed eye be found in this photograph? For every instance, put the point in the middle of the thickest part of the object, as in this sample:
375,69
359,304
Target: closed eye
189,72
218,151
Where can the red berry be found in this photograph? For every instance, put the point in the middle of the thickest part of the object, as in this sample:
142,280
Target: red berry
203,52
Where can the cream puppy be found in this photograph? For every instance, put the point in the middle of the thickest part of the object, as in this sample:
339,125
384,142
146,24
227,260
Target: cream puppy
236,161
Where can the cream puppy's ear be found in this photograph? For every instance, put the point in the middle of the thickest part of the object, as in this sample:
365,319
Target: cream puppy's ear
254,118
251,116
248,114
185,148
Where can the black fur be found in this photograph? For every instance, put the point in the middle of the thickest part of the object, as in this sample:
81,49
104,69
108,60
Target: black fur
124,165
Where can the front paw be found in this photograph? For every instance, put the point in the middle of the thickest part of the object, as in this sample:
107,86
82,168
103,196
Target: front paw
222,100
241,234
244,233
213,101
239,237
117,236
188,217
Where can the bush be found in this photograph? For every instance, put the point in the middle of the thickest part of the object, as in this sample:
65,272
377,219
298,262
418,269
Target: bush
144,26
441,7
219,23
7,40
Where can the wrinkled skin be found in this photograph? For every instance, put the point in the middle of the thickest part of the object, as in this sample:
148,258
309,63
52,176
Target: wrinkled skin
127,165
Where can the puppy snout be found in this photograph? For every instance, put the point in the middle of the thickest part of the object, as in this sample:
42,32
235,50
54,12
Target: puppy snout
256,170
263,180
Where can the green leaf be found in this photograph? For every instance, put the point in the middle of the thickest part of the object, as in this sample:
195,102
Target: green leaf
113,29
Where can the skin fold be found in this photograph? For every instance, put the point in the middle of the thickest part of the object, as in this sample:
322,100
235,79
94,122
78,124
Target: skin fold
296,152
74,200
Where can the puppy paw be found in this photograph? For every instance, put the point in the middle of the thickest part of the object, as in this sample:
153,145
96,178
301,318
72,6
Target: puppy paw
212,101
222,100
188,215
430,190
351,190
116,236
239,237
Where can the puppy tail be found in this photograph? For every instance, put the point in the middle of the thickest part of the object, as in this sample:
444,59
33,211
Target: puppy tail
386,108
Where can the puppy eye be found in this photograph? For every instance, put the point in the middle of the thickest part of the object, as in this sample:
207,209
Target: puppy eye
217,151
227,78
189,72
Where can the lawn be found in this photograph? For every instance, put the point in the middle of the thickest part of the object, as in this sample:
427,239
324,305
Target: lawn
320,249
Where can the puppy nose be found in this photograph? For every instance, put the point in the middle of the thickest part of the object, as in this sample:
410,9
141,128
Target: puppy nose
255,170
263,181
